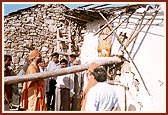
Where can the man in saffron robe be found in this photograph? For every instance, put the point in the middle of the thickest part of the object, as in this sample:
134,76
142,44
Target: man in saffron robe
33,91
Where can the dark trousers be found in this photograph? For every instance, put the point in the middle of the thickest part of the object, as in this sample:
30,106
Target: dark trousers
51,103
51,95
76,104
65,99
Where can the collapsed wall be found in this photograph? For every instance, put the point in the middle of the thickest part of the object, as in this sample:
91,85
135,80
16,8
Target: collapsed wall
147,52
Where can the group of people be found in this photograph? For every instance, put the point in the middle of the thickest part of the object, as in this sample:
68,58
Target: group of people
80,91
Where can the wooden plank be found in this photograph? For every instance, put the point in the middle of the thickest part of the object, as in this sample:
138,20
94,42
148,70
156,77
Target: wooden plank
63,71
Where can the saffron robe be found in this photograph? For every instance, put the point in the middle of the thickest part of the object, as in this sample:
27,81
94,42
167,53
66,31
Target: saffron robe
33,92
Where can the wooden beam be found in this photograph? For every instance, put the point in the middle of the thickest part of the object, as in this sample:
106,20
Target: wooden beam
84,20
132,63
139,30
145,34
99,6
63,71
140,24
117,26
108,23
84,6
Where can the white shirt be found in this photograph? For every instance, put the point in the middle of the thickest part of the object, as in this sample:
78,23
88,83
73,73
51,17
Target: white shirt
65,81
50,67
85,79
101,97
41,70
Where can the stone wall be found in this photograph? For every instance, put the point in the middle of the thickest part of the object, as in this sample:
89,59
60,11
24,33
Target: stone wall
36,27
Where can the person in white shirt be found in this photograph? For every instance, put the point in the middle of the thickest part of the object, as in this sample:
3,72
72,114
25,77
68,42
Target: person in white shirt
102,96
42,65
50,82
64,90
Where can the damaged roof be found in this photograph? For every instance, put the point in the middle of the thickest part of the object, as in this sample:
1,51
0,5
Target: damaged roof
90,14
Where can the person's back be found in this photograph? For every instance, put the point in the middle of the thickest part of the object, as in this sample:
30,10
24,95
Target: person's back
90,83
102,96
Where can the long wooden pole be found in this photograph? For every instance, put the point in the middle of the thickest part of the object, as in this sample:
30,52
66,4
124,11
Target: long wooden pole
108,23
142,18
138,31
154,16
133,63
63,71
117,26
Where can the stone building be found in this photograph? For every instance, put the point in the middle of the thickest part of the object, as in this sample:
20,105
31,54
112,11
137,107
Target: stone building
44,27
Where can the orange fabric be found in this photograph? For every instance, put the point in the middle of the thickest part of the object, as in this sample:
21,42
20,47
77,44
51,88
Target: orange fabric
90,84
33,54
33,92
105,45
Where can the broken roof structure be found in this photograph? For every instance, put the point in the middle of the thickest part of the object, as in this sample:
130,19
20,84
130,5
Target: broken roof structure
142,25
89,13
